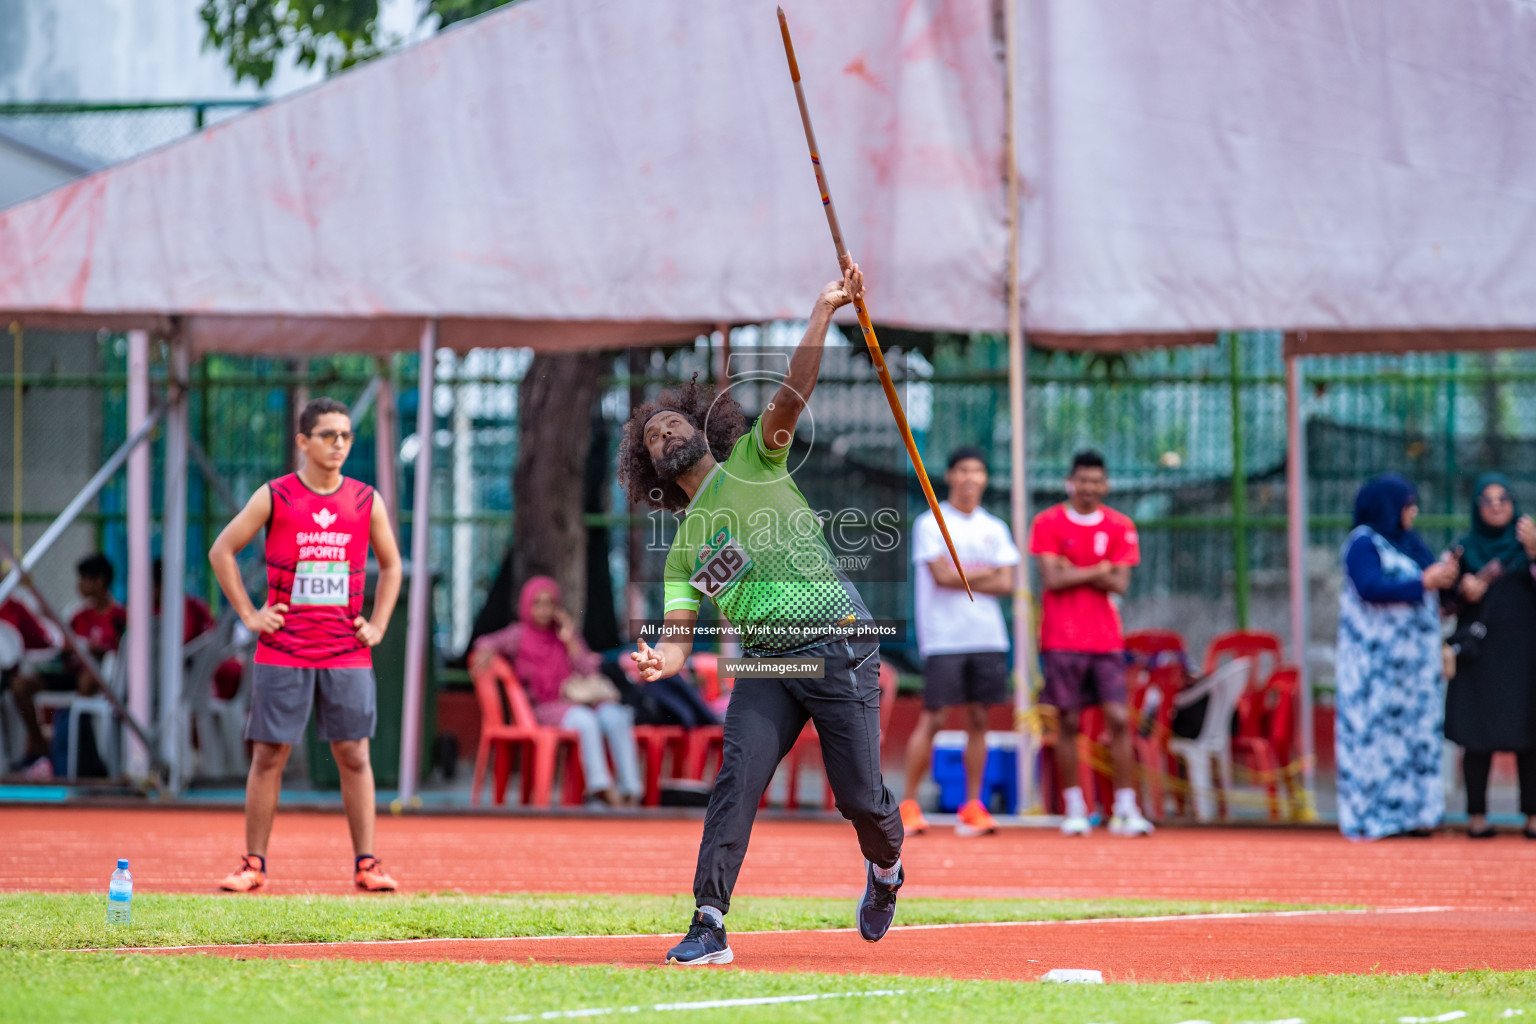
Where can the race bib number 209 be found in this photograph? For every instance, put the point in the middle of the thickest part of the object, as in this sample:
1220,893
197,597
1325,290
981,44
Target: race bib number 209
322,583
722,569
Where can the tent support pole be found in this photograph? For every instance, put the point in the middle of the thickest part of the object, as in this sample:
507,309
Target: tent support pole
417,638
1296,536
173,555
1023,632
140,615
385,480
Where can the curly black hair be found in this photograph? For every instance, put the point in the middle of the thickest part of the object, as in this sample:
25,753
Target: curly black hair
720,418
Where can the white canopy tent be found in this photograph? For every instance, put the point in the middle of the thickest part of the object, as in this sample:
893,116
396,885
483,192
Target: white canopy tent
563,176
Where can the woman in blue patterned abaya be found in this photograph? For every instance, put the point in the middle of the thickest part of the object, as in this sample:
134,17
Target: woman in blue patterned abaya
1389,674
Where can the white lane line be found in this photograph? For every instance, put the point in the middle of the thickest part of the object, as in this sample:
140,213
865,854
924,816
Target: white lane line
1453,1015
704,1004
1258,915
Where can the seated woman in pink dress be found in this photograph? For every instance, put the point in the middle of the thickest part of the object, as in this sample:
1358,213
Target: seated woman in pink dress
545,651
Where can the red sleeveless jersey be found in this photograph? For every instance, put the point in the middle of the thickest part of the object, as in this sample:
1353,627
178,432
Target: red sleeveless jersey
317,547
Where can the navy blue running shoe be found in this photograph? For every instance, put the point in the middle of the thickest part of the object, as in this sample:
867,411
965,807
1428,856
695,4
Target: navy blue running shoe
704,944
877,907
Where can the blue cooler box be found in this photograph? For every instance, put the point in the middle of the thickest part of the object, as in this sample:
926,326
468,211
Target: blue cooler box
1001,777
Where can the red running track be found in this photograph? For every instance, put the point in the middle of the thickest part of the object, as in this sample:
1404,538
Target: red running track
1158,950
59,849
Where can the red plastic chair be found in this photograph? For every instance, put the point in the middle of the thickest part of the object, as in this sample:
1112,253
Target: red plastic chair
1281,703
653,743
809,745
706,673
1152,750
1250,743
1144,643
523,735
706,743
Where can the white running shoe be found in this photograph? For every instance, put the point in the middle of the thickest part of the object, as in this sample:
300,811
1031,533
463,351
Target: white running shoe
1075,825
1132,824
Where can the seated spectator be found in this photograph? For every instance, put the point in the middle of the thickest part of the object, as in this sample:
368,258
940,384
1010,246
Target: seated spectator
100,624
197,619
567,690
671,700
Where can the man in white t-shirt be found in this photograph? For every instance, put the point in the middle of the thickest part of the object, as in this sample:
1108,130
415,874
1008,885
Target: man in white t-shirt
964,643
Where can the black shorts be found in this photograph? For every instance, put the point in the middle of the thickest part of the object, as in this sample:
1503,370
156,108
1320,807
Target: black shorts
977,677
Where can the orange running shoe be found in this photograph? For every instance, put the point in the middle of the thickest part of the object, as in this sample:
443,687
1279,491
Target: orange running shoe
252,875
370,876
912,821
974,820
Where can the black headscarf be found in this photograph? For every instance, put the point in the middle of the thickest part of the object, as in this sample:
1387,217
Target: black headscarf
1380,505
1485,543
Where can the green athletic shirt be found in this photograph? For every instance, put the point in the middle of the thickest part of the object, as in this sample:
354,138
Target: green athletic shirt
750,543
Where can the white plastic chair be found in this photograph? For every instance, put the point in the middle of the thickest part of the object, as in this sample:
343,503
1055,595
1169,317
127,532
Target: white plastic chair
1215,740
221,750
103,715
12,647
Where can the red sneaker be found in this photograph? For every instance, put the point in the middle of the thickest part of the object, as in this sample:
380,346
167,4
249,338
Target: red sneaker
370,876
912,821
252,875
974,820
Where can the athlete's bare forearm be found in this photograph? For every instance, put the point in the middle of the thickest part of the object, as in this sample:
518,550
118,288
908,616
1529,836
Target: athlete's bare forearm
231,541
381,536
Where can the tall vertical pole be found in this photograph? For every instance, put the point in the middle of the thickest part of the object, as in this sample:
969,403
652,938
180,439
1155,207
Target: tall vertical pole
386,478
463,512
173,557
1023,611
417,637
1239,487
18,396
140,617
1296,536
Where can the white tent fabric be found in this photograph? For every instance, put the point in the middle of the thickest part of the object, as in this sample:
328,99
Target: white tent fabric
556,174
603,173
1313,165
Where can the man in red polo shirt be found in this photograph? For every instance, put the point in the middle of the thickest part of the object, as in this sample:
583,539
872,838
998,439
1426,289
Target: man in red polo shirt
1085,551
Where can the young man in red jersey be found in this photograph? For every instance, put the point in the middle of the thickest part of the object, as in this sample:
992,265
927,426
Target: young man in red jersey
1086,550
100,622
313,643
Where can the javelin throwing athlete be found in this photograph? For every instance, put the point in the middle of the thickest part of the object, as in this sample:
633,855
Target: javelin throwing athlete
750,543
313,646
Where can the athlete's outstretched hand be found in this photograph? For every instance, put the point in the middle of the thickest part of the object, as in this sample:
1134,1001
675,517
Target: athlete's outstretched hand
266,619
367,632
648,661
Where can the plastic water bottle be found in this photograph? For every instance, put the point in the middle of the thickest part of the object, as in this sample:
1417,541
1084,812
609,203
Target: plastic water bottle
120,895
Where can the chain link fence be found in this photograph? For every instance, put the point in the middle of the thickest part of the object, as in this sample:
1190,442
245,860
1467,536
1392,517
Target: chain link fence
1183,432
99,134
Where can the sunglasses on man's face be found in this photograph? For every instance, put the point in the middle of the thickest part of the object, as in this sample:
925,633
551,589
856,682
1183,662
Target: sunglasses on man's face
333,436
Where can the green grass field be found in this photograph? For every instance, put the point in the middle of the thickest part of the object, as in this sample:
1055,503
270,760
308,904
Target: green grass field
41,981
52,986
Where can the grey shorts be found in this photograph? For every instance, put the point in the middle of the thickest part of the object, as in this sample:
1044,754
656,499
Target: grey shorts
976,677
281,699
1076,680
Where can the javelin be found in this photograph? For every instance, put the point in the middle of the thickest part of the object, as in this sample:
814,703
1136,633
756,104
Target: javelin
858,305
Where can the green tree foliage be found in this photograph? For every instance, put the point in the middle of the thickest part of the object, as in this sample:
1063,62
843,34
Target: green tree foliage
254,35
